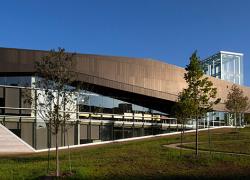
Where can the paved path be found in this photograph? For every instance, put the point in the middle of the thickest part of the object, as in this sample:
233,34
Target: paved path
177,146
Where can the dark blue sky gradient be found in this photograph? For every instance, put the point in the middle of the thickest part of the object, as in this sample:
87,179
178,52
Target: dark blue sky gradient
167,30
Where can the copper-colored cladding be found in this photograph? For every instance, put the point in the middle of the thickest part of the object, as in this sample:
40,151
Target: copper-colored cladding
139,78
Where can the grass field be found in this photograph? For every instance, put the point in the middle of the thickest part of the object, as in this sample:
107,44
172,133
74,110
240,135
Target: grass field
230,142
143,159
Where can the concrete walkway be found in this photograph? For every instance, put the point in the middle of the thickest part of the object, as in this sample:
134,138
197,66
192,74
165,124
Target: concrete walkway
177,146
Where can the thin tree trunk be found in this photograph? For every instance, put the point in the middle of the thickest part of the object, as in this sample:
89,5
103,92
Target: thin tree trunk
236,125
235,120
209,138
57,127
181,140
48,169
239,119
57,156
196,139
184,132
49,144
70,167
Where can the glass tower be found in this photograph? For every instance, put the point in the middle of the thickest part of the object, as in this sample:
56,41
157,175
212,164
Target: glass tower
227,66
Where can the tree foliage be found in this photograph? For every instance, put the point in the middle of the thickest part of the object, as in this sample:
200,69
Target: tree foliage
182,108
53,76
200,92
200,89
236,102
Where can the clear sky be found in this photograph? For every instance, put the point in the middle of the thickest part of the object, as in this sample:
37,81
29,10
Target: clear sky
167,30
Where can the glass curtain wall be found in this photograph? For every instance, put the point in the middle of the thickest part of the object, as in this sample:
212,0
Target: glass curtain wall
131,118
227,66
97,103
22,81
212,66
232,68
24,120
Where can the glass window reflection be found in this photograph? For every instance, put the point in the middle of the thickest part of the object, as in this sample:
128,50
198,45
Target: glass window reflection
16,81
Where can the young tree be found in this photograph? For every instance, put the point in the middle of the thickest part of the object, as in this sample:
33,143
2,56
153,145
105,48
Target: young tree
237,103
201,91
183,111
56,100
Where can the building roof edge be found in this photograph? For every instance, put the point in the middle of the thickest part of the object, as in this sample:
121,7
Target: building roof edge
234,53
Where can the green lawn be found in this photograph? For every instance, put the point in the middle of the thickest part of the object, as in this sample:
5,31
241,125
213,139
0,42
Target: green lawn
232,142
143,159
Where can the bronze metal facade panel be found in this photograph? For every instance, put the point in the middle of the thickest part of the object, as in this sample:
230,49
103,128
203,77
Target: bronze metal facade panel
140,76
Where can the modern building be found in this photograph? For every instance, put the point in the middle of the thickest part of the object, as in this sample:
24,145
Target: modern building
127,97
227,66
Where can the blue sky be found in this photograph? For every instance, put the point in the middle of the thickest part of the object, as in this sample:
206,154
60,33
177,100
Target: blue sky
167,30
